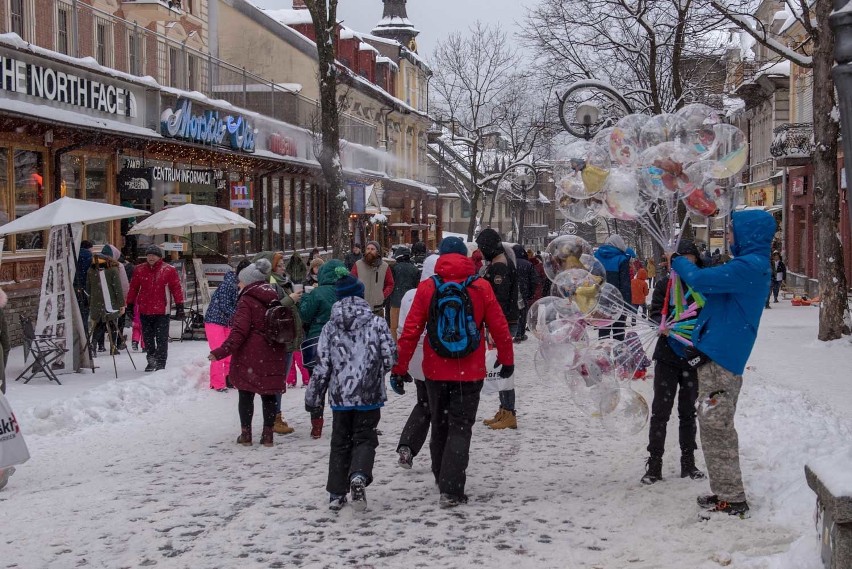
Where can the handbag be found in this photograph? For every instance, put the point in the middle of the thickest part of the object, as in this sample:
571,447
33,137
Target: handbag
493,382
13,449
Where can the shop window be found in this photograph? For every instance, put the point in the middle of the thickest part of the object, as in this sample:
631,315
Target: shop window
63,28
173,67
96,191
72,177
17,13
309,216
103,42
134,53
299,214
287,213
29,194
192,83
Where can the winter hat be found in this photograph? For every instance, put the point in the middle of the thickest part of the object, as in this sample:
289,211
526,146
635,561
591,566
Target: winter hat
519,251
489,243
402,254
418,248
108,252
688,247
616,241
85,244
642,275
347,285
452,245
428,267
154,250
317,262
258,271
376,245
242,265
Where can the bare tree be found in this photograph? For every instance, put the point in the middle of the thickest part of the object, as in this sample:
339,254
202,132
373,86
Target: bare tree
814,52
324,16
658,53
473,71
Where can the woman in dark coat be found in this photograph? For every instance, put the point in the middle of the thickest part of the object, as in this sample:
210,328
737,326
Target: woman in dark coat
257,366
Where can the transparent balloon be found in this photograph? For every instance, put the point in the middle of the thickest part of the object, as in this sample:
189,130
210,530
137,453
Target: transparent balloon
730,151
699,121
623,197
707,195
549,309
601,139
568,282
565,252
662,128
590,379
558,347
581,170
608,309
623,411
577,210
662,168
546,373
624,143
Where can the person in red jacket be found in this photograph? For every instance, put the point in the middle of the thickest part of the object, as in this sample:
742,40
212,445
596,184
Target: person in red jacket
453,385
150,287
257,365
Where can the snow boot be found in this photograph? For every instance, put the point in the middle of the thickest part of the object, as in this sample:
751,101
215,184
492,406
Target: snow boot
336,502
451,500
688,468
653,470
316,428
508,421
266,437
738,509
406,459
359,495
495,418
281,427
707,500
245,437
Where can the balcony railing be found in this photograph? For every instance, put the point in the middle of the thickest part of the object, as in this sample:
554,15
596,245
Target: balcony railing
743,72
793,143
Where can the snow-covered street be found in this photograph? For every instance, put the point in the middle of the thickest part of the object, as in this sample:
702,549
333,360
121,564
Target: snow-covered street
144,471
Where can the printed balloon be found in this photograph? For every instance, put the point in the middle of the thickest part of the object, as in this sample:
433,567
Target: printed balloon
624,143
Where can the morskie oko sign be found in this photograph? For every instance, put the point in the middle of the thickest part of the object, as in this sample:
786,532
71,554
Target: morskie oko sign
207,127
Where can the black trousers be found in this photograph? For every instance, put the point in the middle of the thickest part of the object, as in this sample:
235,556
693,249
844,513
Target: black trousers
246,408
353,447
522,322
453,405
155,334
667,380
417,427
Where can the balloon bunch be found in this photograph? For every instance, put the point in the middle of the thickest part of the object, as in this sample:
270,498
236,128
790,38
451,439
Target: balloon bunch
642,167
596,371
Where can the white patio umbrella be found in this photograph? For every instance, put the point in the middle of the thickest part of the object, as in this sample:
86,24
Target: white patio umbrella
191,218
67,211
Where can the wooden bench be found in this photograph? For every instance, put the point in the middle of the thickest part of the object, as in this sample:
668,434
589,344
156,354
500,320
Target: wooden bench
831,479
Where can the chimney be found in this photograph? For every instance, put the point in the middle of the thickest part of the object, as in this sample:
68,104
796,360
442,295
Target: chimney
299,5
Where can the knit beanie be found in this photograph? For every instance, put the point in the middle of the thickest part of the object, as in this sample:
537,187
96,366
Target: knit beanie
616,241
688,247
376,245
452,245
347,285
489,243
258,271
109,252
154,250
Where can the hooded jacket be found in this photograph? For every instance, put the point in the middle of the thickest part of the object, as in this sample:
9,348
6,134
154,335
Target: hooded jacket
296,268
223,303
315,307
735,293
617,265
406,276
150,286
257,365
354,352
456,268
415,366
639,287
527,277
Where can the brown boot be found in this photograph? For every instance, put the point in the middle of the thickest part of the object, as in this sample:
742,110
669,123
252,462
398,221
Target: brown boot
266,437
316,428
281,427
495,418
508,421
245,437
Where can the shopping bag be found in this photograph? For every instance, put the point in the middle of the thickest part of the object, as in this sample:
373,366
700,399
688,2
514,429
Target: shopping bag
13,449
493,382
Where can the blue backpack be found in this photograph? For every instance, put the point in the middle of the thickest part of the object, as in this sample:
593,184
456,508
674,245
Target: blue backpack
451,328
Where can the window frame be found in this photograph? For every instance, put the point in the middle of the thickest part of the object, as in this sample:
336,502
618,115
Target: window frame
9,200
108,48
64,8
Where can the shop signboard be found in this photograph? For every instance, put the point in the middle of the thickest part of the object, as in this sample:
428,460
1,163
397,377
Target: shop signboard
242,195
177,198
357,197
34,79
135,184
207,127
177,247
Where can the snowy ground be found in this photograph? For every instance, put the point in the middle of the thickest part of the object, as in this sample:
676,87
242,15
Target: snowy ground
144,471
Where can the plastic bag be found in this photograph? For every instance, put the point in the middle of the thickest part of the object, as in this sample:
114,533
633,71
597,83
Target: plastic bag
493,382
13,449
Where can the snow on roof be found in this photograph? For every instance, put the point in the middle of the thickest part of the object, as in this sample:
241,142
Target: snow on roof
425,187
387,60
347,34
394,21
290,17
258,88
364,46
781,68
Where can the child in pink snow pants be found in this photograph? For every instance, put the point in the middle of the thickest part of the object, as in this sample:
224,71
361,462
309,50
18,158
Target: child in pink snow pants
216,336
297,362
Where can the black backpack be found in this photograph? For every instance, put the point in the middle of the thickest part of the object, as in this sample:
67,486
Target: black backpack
451,328
280,324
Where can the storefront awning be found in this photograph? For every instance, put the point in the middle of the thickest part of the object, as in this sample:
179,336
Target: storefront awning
413,184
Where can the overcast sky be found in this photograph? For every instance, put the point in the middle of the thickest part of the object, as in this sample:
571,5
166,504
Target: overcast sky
434,18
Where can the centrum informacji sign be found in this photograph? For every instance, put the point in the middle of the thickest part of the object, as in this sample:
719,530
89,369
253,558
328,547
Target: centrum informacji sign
207,127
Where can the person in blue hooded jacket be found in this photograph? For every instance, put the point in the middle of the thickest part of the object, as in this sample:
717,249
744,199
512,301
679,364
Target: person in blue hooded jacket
725,332
612,254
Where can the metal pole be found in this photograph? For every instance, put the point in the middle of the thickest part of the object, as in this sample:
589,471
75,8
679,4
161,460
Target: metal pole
523,213
840,22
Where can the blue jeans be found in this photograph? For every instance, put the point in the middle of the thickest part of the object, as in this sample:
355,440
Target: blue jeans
286,371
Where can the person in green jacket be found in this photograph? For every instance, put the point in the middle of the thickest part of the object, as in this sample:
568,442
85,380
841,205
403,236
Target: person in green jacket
315,310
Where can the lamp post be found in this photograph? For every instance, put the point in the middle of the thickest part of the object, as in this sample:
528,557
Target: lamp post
841,24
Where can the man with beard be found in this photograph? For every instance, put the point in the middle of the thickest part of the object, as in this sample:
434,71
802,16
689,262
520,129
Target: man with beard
376,276
502,274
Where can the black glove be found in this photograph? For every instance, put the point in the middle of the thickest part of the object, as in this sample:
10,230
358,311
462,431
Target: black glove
507,371
179,311
397,381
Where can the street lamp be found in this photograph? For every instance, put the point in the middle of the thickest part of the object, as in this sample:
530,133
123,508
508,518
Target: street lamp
587,116
840,22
